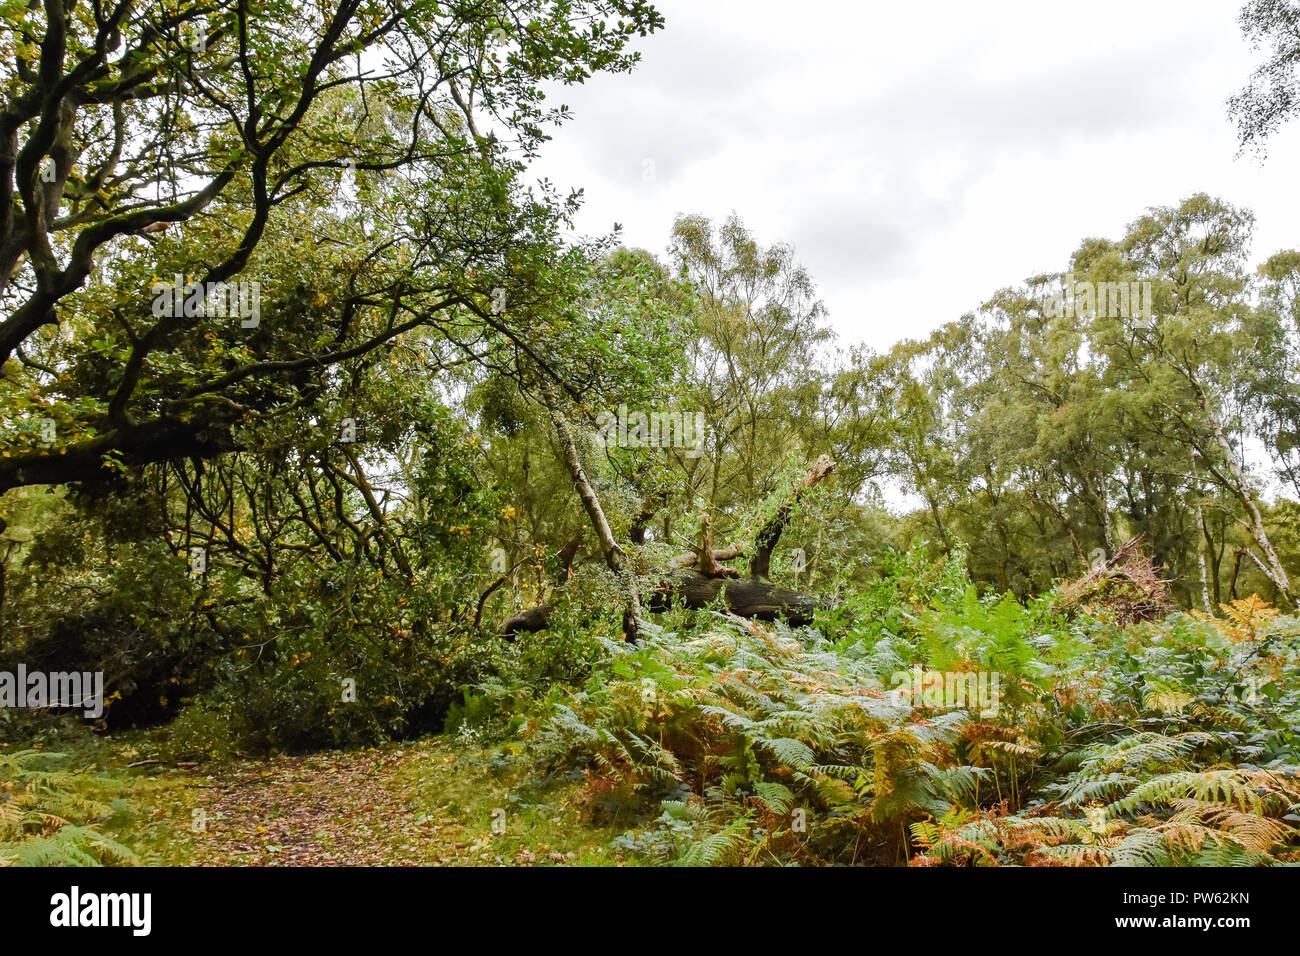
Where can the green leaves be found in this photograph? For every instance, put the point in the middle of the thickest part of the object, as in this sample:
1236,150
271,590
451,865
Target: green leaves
1269,99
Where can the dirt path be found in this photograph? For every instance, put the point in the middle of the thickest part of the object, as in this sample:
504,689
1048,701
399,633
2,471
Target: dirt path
323,810
427,805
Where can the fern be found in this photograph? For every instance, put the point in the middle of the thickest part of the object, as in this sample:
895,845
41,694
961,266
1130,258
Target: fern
1117,747
45,819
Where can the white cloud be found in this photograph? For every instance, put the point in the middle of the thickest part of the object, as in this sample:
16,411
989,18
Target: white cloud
920,157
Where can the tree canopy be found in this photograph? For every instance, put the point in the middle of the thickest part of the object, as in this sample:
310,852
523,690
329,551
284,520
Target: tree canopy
323,428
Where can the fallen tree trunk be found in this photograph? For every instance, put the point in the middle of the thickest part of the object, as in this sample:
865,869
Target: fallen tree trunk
747,597
698,580
528,620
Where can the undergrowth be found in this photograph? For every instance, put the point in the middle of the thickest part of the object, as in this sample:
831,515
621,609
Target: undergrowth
1157,743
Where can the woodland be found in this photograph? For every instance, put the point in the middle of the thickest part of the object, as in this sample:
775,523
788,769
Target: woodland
406,525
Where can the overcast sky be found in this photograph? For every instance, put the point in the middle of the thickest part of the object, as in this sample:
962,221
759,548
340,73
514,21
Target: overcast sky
919,156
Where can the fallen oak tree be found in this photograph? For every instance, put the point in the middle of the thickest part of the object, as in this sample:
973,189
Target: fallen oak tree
698,579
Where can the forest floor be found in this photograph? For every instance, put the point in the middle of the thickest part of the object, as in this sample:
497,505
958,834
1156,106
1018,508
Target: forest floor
430,802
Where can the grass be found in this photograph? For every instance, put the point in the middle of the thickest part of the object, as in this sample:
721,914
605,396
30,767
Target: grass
437,801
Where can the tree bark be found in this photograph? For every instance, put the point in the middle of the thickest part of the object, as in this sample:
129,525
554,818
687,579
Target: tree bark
1240,487
760,564
615,556
746,597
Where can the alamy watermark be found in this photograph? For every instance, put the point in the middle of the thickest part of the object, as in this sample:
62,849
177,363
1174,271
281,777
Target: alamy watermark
70,689
951,690
665,429
44,430
1128,300
222,300
75,908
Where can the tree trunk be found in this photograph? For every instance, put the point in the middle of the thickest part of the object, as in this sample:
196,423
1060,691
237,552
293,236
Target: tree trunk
747,597
687,579
615,557
1241,488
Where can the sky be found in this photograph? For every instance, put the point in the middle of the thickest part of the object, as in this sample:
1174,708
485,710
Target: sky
921,156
